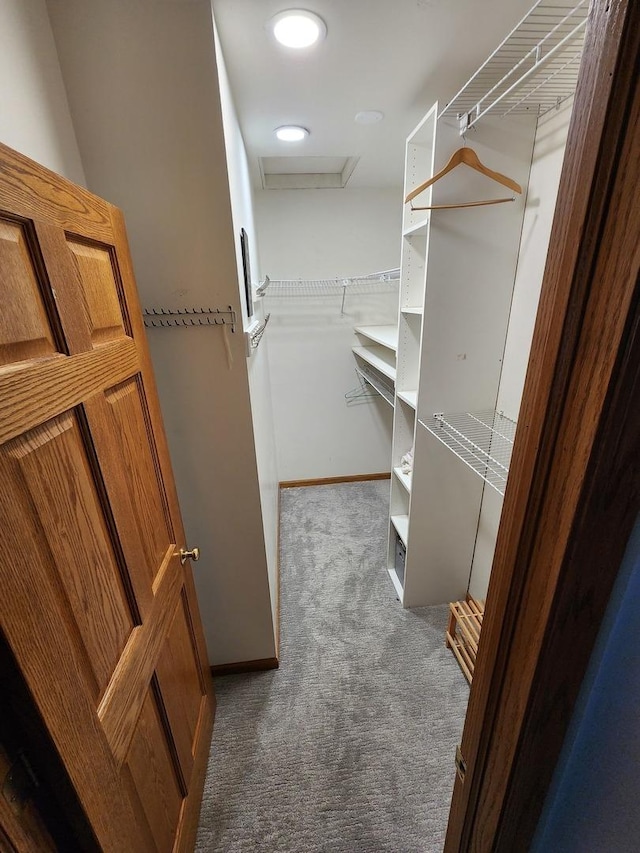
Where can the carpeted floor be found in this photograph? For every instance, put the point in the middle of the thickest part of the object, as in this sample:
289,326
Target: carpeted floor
349,746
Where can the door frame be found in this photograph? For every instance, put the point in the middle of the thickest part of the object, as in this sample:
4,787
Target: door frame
574,490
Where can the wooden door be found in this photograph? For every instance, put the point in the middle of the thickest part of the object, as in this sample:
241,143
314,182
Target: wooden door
99,612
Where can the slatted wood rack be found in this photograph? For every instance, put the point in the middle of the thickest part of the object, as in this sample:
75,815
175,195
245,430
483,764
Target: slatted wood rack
463,632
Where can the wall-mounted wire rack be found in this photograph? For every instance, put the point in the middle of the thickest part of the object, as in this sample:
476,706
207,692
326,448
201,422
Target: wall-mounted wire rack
482,440
534,69
378,282
163,318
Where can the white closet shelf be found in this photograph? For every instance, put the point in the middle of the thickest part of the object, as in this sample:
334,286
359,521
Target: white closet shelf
482,440
379,383
405,479
379,357
408,397
401,524
395,580
419,227
387,336
412,309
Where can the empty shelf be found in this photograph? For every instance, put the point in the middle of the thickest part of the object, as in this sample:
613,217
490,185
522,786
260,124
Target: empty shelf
405,479
379,357
412,309
482,440
409,397
401,524
378,382
387,336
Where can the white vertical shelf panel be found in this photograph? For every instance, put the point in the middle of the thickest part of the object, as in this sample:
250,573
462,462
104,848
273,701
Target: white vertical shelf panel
471,269
471,259
415,240
445,501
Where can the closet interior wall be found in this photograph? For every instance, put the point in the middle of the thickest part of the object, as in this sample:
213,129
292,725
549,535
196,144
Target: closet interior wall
326,234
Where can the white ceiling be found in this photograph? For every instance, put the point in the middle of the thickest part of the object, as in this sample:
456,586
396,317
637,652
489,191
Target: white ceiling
397,56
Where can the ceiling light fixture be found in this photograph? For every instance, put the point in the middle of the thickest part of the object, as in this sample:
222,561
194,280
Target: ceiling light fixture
298,28
369,116
291,133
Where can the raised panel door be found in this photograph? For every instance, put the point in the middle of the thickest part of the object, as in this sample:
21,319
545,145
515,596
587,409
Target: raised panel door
99,612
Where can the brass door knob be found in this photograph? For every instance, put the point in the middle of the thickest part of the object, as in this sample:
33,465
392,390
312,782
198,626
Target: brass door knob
193,554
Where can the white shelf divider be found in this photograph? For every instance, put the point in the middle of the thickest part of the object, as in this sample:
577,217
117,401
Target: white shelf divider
380,357
408,397
401,524
419,227
405,479
386,336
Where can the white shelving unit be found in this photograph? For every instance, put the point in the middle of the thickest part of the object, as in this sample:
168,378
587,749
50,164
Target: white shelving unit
376,360
456,281
456,362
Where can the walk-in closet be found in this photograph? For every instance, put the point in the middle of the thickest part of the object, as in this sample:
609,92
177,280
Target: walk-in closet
417,365
385,305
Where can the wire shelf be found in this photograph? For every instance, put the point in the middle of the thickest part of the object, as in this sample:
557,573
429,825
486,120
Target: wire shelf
482,440
534,69
331,286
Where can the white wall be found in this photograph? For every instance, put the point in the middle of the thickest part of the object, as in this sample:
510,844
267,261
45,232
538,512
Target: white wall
34,112
548,154
317,234
259,378
143,90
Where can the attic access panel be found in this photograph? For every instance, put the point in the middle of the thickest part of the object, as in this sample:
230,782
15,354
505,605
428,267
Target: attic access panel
304,173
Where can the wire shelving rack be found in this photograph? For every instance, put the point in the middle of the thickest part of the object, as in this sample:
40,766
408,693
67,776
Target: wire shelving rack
482,440
534,69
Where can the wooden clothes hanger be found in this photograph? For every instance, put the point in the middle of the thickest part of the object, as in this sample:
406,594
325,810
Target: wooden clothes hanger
468,156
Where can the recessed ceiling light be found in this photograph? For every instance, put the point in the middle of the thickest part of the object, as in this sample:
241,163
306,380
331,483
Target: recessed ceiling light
298,28
369,116
291,133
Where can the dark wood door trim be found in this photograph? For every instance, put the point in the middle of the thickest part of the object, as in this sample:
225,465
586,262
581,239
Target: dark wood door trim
573,494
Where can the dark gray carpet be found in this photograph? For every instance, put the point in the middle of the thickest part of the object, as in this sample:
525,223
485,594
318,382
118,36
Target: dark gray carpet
349,746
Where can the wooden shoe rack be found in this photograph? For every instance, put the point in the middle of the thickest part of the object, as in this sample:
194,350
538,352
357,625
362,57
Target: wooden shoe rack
463,633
